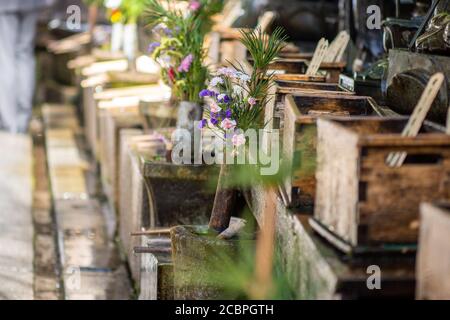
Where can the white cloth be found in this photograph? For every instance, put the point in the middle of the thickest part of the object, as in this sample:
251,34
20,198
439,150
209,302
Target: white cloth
23,5
17,69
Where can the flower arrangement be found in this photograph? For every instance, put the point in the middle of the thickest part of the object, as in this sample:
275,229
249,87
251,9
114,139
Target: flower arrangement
237,99
178,45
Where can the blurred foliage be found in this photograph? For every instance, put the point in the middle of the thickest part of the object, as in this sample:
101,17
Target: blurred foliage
93,2
235,274
132,9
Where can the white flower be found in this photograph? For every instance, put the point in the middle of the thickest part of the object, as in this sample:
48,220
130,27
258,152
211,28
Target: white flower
243,77
228,124
238,140
238,90
215,81
112,4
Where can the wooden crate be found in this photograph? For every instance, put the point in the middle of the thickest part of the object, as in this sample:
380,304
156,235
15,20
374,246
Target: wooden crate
433,262
300,139
364,202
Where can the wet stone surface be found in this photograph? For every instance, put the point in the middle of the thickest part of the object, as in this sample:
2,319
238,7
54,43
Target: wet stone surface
46,264
88,284
91,267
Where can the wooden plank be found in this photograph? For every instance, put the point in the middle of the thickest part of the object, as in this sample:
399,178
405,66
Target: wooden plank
337,47
299,77
105,66
266,20
418,116
433,262
319,55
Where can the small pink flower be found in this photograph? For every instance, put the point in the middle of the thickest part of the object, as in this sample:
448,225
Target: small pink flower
228,124
238,140
215,107
194,5
251,101
185,64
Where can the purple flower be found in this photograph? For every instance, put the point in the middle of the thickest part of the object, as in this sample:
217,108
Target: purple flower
152,47
206,93
214,121
185,64
228,113
223,98
167,32
202,123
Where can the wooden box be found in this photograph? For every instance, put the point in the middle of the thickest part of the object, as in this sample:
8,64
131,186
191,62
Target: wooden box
300,139
366,203
433,260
